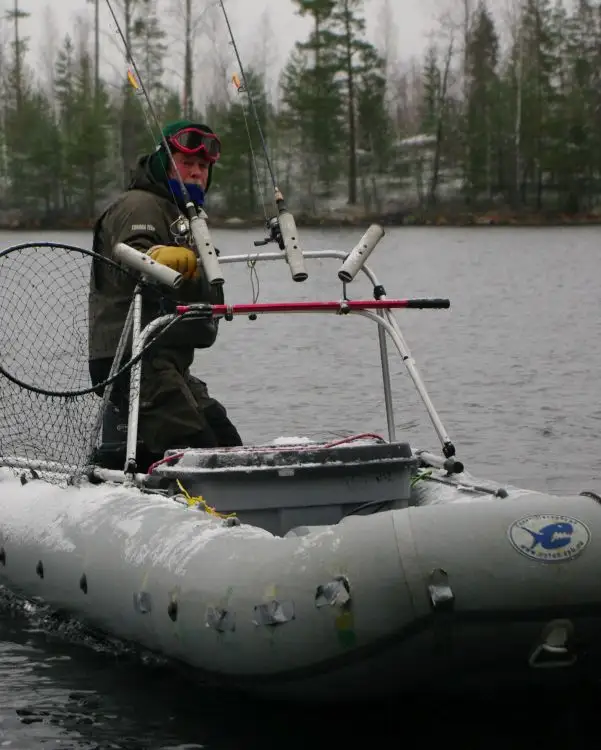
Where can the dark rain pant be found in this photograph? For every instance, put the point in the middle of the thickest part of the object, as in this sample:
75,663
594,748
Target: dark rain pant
176,410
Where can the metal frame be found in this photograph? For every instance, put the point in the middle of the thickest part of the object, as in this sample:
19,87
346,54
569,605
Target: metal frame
386,321
384,318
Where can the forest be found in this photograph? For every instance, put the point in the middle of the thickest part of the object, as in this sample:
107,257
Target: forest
498,121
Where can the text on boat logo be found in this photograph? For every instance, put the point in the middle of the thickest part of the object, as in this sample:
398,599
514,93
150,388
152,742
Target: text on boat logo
549,537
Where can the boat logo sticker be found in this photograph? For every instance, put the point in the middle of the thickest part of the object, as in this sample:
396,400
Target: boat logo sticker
549,537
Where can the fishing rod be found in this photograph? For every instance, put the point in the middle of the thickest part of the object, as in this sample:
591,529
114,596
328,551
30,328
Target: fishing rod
197,219
281,228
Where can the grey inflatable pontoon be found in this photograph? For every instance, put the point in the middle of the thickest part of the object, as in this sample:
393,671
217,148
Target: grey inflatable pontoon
349,570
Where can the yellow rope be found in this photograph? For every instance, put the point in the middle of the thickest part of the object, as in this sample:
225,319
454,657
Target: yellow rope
200,501
425,474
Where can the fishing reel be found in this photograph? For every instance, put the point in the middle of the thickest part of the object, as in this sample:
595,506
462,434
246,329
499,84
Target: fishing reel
275,234
180,230
282,229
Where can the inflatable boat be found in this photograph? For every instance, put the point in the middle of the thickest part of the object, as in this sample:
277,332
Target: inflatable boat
354,569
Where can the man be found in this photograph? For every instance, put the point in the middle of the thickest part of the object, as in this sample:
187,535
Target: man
175,408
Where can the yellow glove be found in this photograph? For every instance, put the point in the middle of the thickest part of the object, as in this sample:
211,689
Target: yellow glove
180,259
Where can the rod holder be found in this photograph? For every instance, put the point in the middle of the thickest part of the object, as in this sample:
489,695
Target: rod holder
360,253
206,249
138,261
294,253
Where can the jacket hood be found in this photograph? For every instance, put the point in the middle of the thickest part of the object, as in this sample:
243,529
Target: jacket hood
149,175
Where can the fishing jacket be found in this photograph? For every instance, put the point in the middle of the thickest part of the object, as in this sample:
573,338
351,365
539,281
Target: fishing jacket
144,215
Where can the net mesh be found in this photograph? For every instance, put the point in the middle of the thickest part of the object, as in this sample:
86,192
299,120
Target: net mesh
50,416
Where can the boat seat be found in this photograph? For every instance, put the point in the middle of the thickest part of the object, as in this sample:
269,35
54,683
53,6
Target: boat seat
111,452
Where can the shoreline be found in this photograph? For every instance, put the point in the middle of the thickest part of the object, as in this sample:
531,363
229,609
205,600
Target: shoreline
360,220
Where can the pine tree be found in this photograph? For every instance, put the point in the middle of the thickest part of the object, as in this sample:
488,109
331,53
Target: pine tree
482,103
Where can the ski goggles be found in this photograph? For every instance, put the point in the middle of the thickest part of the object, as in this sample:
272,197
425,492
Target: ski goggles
196,141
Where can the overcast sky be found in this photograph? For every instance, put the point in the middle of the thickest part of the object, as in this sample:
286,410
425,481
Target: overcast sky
412,18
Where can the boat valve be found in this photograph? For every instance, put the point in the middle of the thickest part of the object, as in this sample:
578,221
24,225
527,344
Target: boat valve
554,650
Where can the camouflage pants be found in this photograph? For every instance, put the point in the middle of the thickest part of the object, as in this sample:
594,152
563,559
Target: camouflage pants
176,410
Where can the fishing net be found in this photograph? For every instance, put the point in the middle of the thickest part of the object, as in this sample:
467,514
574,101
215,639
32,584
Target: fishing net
50,414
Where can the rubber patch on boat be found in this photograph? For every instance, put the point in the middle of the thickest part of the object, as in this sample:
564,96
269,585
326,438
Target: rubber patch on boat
274,613
220,619
334,593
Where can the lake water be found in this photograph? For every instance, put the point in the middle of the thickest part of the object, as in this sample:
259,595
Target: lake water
513,370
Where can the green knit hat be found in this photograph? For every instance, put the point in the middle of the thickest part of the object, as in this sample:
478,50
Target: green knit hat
163,159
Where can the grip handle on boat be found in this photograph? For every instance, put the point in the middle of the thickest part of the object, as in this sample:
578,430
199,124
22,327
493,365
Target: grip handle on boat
138,261
206,250
451,464
294,253
360,253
